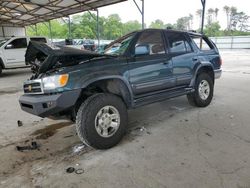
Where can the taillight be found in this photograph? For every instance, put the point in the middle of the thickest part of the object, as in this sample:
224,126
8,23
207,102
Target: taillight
220,61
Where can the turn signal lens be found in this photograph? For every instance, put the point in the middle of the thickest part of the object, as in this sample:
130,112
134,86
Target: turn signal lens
63,79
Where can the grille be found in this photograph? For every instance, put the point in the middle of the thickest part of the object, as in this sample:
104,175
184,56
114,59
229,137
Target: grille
32,87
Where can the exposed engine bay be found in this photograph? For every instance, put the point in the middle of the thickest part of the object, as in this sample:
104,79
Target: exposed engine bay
43,57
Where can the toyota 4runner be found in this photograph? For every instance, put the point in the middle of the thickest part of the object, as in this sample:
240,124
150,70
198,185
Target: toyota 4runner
95,90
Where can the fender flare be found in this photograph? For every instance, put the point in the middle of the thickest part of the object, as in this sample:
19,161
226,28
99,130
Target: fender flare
198,68
129,101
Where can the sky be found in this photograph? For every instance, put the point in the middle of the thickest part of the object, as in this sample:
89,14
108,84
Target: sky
170,11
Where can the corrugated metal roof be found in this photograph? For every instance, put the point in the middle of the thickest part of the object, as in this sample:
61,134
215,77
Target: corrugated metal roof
28,12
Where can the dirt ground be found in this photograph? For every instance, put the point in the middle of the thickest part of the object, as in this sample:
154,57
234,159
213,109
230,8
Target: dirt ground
169,144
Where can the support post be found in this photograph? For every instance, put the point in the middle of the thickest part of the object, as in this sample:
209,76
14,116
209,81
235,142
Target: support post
97,27
141,10
69,28
143,22
36,29
3,31
50,32
203,2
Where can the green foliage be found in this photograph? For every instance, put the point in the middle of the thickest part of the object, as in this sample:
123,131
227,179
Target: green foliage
111,27
157,24
131,26
212,29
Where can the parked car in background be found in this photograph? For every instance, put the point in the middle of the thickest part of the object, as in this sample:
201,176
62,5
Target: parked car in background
12,51
88,45
101,49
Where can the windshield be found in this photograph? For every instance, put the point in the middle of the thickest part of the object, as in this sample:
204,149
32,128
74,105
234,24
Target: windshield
2,42
119,46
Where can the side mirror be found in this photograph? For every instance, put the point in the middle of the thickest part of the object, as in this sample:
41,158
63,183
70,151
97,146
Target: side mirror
142,50
8,46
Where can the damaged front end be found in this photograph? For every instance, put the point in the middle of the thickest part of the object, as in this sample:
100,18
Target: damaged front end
44,93
45,58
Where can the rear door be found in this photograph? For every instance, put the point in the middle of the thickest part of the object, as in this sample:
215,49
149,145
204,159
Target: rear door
14,52
153,71
183,57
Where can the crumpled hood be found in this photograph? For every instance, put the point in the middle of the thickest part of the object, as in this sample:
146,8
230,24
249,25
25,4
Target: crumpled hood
43,57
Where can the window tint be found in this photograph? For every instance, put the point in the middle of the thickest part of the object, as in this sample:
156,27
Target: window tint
17,43
37,39
202,44
153,41
178,43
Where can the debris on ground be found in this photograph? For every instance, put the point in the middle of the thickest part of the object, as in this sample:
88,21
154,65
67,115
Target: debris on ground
19,123
139,130
79,171
78,148
177,108
232,116
70,170
208,134
68,136
33,146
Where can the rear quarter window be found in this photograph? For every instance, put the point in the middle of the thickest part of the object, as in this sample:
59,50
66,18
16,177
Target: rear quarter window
202,43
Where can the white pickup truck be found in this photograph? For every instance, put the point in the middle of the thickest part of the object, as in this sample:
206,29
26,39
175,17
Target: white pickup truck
12,51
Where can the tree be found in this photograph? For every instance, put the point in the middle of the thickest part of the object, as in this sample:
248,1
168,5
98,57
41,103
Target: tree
227,11
131,26
157,24
216,12
199,14
212,29
210,15
183,23
239,21
113,27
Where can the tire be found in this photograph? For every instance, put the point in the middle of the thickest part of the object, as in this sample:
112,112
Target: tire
202,98
1,69
89,124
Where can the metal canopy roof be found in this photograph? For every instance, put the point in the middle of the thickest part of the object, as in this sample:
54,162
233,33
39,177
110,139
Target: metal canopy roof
28,12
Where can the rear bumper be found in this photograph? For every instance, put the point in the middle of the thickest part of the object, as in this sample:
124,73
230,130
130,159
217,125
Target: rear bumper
217,73
48,105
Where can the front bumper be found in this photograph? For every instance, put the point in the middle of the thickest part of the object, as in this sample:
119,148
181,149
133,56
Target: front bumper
217,73
48,105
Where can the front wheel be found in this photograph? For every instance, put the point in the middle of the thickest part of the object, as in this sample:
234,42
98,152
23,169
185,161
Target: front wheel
101,121
203,94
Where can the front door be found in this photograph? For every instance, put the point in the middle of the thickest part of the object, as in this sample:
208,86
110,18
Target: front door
14,53
151,69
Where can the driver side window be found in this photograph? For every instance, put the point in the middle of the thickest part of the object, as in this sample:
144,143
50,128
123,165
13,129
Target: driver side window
17,43
150,43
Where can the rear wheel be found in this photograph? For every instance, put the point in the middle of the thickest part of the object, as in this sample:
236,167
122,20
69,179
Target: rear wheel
203,94
1,69
101,121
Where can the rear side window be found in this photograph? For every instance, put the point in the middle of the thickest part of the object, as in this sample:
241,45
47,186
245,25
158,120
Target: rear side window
202,43
153,40
17,43
178,43
38,39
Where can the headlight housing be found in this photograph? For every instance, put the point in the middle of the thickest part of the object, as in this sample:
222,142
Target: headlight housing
53,82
